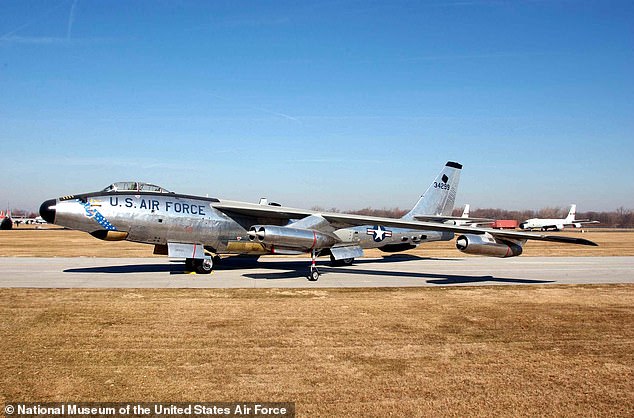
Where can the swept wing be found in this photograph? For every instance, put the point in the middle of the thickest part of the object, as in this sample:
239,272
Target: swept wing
343,220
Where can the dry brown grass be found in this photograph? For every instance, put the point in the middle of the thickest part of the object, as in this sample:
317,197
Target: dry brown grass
57,242
513,351
67,243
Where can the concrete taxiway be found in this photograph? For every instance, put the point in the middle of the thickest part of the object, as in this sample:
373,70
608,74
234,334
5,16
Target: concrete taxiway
393,271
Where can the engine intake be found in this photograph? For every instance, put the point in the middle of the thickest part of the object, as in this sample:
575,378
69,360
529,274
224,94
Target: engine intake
488,246
305,239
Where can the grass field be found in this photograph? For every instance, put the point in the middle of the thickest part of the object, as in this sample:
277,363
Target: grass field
67,243
513,351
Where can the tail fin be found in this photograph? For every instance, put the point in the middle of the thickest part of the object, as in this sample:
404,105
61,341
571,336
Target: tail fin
572,213
440,195
465,212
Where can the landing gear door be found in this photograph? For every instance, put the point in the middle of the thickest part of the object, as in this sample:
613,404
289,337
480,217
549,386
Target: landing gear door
346,252
182,250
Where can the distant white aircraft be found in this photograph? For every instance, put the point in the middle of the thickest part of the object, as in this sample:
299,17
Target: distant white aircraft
463,220
469,221
556,224
24,220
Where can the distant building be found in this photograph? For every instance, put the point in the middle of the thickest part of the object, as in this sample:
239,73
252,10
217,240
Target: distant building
504,224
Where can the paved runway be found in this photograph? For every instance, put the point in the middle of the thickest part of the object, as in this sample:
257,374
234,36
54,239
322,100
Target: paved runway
394,271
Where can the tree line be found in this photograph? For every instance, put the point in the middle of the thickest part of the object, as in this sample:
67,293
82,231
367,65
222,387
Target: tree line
619,218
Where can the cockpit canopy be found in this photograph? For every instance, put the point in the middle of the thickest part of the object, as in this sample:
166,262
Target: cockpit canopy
134,186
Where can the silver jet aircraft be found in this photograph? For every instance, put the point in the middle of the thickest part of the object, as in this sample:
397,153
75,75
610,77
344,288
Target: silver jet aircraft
199,229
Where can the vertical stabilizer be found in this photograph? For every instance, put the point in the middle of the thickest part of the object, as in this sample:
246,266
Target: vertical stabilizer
572,213
440,195
465,212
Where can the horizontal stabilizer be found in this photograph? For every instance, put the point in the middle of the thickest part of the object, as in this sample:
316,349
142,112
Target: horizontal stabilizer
441,218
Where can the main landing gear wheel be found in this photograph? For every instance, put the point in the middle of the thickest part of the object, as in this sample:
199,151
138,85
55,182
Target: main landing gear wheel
199,265
189,264
343,262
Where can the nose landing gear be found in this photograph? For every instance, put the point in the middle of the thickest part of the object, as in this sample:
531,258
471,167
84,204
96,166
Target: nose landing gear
313,276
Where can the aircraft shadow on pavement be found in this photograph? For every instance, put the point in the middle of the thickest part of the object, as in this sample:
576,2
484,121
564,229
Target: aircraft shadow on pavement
432,278
449,279
299,268
132,268
233,263
440,278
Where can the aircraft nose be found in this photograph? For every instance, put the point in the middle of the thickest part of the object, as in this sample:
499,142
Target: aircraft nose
47,211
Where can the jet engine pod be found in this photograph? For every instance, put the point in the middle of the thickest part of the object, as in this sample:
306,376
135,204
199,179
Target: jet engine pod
487,245
306,239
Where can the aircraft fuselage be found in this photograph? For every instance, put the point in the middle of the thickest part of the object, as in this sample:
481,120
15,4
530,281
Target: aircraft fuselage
162,218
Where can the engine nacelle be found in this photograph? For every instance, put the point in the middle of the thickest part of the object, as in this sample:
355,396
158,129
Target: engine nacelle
487,245
282,236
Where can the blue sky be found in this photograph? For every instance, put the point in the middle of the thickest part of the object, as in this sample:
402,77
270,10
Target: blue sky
341,104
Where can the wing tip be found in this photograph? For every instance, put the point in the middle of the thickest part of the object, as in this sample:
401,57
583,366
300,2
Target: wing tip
583,241
569,240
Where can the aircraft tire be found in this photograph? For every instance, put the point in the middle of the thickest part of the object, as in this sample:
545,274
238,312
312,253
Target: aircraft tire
190,264
203,266
313,276
338,263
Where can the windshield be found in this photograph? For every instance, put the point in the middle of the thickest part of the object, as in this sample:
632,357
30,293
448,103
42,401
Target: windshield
134,186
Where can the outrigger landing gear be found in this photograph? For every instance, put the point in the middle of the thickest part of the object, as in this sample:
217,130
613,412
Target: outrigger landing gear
313,276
